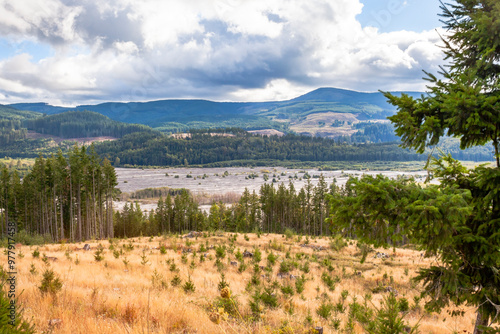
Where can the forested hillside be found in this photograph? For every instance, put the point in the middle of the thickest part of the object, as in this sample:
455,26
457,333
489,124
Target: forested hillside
17,143
11,120
75,124
203,148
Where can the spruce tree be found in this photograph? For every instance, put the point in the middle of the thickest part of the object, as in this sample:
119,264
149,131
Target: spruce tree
462,102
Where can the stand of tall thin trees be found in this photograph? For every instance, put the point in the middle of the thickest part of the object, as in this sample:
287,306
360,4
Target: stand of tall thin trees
273,209
66,198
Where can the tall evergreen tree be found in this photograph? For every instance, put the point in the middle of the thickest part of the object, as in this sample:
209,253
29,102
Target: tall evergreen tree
465,103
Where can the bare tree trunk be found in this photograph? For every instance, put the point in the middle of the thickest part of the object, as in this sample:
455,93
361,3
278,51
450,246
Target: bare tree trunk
55,213
71,218
62,216
26,213
480,321
79,212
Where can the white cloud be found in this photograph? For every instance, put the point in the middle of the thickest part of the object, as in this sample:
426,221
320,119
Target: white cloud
217,49
276,90
49,20
126,47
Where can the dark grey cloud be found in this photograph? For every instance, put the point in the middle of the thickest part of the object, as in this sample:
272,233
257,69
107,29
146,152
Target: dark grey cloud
109,27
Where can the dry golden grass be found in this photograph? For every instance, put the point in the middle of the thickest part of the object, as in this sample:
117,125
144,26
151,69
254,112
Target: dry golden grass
111,297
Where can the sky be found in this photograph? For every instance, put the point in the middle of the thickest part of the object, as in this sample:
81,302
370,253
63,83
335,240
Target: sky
73,52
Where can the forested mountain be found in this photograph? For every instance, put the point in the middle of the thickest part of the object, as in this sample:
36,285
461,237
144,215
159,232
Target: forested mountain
10,113
326,104
75,124
40,107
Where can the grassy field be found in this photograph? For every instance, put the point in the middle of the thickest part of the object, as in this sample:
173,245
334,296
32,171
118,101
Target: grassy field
171,285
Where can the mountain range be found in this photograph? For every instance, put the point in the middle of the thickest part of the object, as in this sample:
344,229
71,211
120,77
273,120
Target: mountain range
327,112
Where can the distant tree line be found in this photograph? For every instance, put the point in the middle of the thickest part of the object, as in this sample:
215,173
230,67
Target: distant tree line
272,210
203,148
66,198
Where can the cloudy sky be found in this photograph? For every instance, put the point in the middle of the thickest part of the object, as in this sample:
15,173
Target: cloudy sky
70,52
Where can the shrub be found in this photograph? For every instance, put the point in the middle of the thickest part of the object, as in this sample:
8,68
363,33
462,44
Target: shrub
325,310
202,249
25,238
238,255
403,305
33,270
305,267
289,233
130,314
329,280
242,267
98,253
144,258
158,281
220,251
20,325
277,246
300,284
257,255
271,259
269,298
337,243
388,318
287,290
189,286
176,280
223,283
286,267
50,283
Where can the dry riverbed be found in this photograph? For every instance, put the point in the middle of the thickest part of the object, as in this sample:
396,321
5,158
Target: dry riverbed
226,184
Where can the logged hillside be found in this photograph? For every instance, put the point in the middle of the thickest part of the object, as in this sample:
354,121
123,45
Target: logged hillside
168,284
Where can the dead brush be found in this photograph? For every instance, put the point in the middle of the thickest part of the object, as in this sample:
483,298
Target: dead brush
129,314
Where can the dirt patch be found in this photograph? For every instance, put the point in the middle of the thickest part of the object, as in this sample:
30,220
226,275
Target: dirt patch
319,124
188,135
268,132
82,141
